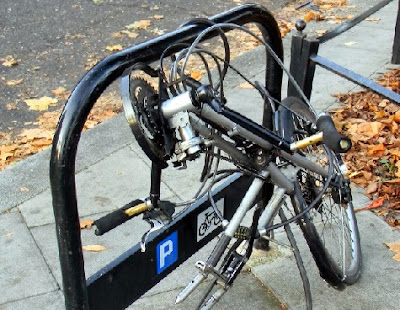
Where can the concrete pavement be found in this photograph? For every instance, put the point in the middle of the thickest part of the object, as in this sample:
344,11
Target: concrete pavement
111,167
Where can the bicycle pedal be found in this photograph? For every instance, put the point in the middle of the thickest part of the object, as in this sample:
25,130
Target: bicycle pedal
241,233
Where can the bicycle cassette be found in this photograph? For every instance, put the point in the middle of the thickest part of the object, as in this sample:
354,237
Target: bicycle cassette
140,102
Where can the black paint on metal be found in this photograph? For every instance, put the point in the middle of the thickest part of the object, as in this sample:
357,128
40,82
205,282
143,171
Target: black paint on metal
396,40
303,68
356,78
132,274
76,111
351,23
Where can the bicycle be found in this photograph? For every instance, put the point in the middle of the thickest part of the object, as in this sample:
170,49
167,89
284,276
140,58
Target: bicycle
293,158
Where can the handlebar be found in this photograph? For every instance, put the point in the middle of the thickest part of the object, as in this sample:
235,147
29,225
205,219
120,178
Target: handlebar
120,216
331,138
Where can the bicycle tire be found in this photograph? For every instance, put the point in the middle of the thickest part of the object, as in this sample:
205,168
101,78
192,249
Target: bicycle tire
337,256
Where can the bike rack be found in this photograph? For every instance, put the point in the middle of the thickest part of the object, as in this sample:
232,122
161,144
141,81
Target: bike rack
304,57
121,282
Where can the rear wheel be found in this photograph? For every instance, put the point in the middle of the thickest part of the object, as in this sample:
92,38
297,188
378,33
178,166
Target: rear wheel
330,227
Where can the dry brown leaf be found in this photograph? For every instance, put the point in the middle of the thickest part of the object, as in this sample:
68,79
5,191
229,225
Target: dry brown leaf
372,188
397,165
372,19
36,133
9,61
94,248
196,75
86,224
41,104
114,48
11,106
394,247
59,92
245,85
321,32
376,149
6,151
14,82
139,25
158,17
312,15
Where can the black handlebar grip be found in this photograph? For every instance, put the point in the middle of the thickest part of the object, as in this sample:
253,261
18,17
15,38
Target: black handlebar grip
113,219
331,138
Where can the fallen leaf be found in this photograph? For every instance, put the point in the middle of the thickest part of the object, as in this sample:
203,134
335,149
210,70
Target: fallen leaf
394,247
245,85
397,165
6,151
373,205
94,248
58,92
376,149
24,189
114,48
321,32
9,61
372,188
86,224
158,17
36,133
14,82
11,106
157,31
139,25
372,19
41,104
196,75
312,15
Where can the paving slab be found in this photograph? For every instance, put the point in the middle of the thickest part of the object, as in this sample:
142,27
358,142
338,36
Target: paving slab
48,301
23,271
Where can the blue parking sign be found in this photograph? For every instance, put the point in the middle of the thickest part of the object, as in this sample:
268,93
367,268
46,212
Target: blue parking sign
167,252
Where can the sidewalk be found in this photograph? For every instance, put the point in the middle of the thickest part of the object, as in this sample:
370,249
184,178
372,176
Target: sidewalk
110,166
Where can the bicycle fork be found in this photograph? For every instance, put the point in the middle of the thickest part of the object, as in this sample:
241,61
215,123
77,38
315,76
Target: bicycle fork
236,261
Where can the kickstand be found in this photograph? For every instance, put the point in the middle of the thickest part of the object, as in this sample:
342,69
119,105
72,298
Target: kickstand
299,261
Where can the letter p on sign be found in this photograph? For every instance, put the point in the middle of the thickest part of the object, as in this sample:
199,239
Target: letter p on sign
167,252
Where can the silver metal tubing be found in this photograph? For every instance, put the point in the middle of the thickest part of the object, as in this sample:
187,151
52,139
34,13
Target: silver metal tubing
182,102
280,179
209,114
220,142
271,210
245,205
303,162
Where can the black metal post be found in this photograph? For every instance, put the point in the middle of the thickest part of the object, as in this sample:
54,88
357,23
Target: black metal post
396,40
301,66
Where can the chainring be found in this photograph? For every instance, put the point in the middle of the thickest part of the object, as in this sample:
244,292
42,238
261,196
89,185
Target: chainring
144,120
